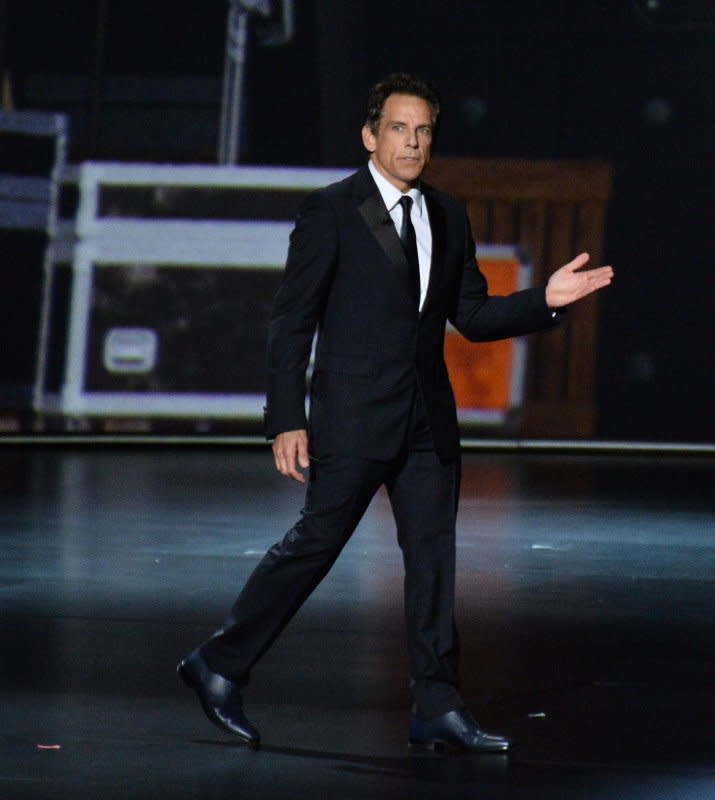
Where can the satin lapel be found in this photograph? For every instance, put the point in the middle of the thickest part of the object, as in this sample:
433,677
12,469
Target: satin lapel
373,211
438,226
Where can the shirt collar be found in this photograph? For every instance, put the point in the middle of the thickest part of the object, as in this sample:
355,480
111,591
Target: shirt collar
391,194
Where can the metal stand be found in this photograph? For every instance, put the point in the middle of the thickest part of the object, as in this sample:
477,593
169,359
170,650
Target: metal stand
230,125
236,39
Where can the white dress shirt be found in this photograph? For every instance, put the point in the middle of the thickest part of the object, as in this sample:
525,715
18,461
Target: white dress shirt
420,220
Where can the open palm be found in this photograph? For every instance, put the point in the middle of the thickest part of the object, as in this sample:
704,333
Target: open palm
567,284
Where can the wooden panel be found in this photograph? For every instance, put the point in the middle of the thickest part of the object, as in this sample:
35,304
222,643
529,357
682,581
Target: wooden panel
583,327
560,234
590,228
549,366
532,235
558,420
478,213
554,209
520,180
503,229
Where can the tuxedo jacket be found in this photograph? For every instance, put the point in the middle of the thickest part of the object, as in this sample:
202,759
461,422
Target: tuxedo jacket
346,276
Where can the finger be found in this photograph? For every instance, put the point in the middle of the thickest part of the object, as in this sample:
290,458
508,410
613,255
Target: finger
276,459
292,469
281,455
279,458
303,453
593,283
600,277
578,262
297,476
285,458
299,454
597,271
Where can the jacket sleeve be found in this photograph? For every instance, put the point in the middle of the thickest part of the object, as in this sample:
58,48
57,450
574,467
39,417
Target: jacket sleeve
481,317
296,309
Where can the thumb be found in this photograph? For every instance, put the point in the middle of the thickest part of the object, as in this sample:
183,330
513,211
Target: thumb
578,262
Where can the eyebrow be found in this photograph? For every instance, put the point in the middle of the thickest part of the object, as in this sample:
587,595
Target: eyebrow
402,122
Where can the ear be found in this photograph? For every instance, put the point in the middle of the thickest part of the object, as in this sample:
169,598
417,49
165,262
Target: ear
368,139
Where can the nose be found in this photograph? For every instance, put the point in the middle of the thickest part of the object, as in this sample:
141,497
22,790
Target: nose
412,138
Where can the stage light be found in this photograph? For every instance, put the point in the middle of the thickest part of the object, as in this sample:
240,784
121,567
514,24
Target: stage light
683,15
657,112
474,109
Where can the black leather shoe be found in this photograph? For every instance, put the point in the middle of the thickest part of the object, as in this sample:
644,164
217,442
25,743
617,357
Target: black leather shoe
220,698
455,730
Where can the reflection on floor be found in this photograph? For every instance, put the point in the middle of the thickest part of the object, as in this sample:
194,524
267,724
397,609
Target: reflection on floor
586,607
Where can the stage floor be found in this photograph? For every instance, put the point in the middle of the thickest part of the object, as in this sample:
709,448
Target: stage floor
586,589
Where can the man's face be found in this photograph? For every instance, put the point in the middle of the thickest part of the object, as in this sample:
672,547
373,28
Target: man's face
401,148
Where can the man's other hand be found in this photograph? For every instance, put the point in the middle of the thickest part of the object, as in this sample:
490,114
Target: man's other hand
566,285
290,451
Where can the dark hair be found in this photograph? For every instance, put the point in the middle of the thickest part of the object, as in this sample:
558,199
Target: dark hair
399,83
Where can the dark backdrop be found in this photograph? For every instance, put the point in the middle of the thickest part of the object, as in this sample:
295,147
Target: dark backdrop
631,82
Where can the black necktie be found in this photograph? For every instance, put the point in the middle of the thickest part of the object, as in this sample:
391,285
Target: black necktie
409,243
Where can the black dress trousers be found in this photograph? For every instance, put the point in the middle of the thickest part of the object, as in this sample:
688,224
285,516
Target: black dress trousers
423,493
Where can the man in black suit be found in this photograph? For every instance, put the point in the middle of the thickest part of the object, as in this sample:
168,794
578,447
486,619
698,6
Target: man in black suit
377,264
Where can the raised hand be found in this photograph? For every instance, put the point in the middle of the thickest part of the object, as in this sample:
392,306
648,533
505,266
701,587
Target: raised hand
566,285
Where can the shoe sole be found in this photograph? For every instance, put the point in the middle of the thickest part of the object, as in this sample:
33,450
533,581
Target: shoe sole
439,746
